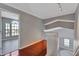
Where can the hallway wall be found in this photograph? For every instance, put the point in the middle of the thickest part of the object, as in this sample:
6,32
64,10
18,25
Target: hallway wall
52,43
65,33
76,28
31,27
63,17
59,22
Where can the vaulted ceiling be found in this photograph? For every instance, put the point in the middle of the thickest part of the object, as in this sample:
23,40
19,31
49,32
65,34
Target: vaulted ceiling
45,10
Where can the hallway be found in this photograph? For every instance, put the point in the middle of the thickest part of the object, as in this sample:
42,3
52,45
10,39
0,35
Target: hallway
42,29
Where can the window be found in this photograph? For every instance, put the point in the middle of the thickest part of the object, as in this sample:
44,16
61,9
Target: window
7,29
10,28
66,42
15,28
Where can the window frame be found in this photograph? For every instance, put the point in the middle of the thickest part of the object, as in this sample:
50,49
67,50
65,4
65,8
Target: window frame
4,19
66,42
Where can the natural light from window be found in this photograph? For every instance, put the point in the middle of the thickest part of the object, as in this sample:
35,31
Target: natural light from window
66,42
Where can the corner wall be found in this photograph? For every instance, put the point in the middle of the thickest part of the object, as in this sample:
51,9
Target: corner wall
76,28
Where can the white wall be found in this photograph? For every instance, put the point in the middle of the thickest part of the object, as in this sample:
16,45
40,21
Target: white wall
30,26
66,34
55,38
52,43
0,34
31,29
76,28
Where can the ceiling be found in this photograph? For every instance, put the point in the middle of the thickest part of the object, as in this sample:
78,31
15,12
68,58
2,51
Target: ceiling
45,10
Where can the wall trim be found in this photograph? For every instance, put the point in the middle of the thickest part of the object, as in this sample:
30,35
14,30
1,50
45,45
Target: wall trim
52,29
58,20
31,44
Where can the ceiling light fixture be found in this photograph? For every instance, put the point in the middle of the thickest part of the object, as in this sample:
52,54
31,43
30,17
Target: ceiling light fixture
60,8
